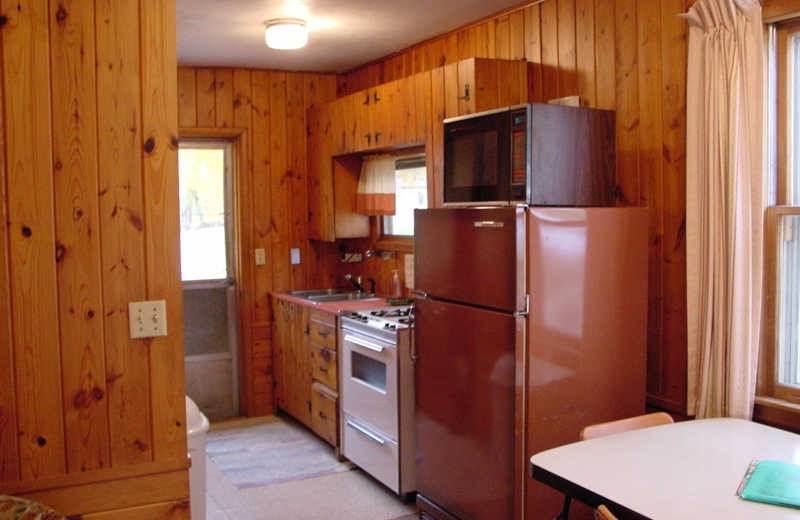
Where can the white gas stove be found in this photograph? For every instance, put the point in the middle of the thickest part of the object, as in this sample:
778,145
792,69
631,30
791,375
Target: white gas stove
377,394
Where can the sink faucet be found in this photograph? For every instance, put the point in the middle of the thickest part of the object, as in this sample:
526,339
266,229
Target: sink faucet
355,281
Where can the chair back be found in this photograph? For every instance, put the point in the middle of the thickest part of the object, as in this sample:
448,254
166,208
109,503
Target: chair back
624,425
602,513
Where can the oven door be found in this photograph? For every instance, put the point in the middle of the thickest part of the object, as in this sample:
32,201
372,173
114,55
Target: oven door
369,380
477,157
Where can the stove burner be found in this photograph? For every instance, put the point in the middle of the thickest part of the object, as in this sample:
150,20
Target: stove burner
384,313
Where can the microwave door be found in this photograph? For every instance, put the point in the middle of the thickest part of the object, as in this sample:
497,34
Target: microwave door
476,157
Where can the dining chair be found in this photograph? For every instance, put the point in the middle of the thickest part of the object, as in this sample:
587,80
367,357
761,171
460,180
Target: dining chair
602,513
608,428
623,425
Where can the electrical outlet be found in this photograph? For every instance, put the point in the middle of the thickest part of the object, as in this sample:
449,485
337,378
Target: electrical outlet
351,257
408,266
148,319
294,255
261,256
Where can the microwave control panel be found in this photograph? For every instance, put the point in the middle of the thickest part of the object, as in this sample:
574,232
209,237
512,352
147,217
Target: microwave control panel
519,153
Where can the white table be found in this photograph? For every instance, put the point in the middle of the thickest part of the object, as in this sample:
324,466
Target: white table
686,470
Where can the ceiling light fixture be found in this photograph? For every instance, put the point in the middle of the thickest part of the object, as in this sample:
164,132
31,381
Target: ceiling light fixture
286,33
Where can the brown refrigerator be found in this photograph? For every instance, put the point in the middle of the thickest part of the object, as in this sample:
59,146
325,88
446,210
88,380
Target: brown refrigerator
517,310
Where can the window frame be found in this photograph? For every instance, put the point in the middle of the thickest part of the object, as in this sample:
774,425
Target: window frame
401,243
771,395
230,225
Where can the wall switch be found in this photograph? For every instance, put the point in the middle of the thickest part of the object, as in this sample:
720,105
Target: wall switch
261,256
294,255
148,319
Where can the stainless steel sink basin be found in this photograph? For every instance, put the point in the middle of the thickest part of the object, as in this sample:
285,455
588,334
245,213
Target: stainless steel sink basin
314,292
331,295
340,297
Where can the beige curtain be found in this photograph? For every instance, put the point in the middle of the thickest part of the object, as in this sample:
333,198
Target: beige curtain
725,204
375,193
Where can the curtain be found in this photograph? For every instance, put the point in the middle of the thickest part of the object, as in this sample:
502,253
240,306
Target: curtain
375,193
725,180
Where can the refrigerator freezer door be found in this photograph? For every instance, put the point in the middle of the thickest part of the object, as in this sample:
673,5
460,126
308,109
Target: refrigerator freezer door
465,395
471,255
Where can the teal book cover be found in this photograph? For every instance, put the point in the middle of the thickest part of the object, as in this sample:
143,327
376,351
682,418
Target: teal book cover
772,482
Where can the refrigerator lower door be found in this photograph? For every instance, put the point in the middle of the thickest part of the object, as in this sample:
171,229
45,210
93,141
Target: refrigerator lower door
465,397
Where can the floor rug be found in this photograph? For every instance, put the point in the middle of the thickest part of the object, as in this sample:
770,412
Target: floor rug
269,453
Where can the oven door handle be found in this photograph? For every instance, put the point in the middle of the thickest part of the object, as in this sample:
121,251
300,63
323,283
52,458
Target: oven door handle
366,433
363,342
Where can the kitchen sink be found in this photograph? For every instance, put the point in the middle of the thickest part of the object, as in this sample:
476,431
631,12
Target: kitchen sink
339,297
331,295
314,292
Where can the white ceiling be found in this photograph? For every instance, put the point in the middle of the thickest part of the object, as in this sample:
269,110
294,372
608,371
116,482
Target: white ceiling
343,34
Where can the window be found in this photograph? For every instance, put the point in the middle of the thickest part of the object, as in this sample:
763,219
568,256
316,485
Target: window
780,370
205,201
411,192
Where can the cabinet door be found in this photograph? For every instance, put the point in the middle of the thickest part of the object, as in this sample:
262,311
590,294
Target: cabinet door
301,388
281,326
293,361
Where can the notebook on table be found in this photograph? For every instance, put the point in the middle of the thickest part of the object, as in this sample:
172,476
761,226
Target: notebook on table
772,482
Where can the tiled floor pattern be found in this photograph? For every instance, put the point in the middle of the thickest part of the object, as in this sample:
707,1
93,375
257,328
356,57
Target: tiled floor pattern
350,495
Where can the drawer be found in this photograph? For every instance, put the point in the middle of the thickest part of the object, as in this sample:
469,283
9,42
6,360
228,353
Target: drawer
323,365
322,334
371,450
323,317
323,413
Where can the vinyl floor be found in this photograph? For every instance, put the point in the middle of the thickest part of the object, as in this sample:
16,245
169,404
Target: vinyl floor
350,495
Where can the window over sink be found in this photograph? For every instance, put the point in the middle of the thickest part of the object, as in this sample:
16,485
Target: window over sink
411,192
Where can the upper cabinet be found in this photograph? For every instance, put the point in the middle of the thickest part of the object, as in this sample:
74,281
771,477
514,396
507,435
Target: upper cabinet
394,115
384,116
480,84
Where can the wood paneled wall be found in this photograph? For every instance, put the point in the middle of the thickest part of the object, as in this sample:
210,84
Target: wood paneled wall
625,55
265,113
88,178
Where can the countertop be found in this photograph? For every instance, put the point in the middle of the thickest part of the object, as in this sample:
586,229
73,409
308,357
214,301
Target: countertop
334,307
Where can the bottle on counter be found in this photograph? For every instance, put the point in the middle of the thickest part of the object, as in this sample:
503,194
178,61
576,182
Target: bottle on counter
397,287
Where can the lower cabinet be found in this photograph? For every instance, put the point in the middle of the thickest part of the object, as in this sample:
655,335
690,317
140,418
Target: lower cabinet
306,368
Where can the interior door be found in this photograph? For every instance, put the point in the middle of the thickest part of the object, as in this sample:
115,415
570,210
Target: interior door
465,398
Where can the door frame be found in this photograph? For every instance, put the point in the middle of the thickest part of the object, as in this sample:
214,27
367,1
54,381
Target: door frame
239,157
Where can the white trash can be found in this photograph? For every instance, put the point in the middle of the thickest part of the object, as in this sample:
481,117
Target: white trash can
196,429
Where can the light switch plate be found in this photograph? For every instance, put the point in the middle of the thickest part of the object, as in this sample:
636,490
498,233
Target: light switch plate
261,256
148,319
294,255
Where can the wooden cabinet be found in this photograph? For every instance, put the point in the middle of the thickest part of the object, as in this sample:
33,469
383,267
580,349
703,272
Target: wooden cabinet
306,367
480,84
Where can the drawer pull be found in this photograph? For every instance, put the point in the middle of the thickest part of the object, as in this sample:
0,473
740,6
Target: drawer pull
364,343
324,333
323,369
323,416
366,433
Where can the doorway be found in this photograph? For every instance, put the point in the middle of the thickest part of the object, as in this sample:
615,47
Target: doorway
208,275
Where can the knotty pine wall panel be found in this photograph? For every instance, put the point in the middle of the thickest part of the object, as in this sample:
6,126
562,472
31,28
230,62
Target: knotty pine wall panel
624,55
88,184
266,113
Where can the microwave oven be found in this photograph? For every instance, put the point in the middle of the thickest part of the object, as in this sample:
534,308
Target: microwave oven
535,154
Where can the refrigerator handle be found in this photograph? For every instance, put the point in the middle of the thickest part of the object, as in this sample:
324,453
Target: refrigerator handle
523,313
